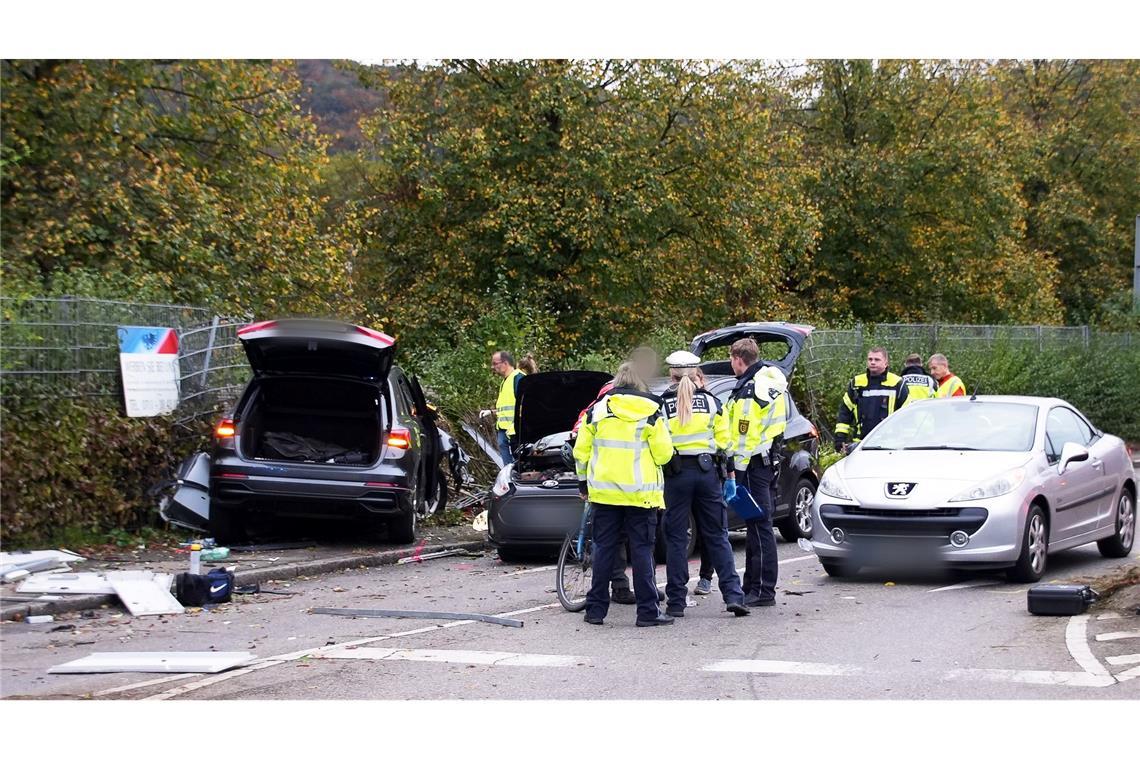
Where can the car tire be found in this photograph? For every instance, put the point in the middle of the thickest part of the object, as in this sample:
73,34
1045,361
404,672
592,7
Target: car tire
402,529
1119,544
1034,555
797,524
838,568
227,526
659,544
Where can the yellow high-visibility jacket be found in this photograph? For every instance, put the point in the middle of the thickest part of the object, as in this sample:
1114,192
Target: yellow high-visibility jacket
707,431
757,413
951,386
919,385
505,406
620,450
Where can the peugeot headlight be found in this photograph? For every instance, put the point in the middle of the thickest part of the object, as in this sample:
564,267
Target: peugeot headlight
503,481
832,485
998,486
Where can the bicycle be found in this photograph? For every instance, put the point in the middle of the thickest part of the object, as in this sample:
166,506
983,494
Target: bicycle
576,565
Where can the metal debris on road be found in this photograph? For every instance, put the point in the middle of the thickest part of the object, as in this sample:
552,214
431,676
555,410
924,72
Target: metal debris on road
437,555
255,588
39,619
426,615
155,662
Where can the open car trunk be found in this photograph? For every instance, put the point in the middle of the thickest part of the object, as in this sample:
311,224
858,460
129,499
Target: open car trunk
313,420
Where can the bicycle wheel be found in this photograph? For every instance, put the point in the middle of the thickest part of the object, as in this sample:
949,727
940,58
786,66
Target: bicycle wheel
575,573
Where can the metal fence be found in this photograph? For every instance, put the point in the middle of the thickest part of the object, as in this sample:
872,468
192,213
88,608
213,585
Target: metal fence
827,350
52,347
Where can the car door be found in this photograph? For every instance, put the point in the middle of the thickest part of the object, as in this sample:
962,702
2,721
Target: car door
1077,492
1100,458
432,449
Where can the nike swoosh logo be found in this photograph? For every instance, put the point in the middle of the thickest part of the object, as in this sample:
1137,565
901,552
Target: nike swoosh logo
216,589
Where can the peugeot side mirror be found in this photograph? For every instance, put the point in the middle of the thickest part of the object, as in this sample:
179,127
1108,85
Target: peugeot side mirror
1071,452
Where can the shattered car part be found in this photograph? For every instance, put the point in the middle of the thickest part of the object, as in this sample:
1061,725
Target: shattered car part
425,615
155,662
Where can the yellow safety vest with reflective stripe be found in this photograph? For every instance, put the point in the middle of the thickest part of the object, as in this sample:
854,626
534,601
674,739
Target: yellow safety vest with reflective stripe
850,422
505,406
707,429
754,423
919,386
620,449
951,386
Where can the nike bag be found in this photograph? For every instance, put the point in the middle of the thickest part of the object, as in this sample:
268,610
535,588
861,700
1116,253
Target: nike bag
215,587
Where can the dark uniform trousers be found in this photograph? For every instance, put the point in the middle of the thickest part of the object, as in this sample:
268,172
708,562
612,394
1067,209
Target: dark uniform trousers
699,492
640,525
761,566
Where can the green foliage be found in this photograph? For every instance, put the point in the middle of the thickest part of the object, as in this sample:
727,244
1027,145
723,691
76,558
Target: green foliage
185,181
1099,380
605,193
81,464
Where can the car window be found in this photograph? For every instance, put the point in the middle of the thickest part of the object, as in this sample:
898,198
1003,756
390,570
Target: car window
772,349
403,394
980,426
1061,427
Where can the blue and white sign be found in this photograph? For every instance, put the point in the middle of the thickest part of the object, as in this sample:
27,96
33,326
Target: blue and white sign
148,357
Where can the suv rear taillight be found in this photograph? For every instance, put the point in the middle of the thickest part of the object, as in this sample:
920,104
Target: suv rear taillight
224,433
399,438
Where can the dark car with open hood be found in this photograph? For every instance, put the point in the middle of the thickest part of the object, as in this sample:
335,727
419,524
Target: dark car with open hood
534,502
329,427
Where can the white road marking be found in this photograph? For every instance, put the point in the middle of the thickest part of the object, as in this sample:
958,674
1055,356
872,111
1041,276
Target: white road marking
794,559
291,656
548,568
1128,675
1039,677
1076,639
455,656
144,684
1118,635
1109,616
782,667
1123,659
964,584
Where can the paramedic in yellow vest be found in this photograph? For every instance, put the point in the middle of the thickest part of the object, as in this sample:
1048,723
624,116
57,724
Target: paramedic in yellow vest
503,365
919,385
757,417
949,385
869,399
693,485
618,457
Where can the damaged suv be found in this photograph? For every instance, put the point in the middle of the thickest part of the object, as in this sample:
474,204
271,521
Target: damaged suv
328,427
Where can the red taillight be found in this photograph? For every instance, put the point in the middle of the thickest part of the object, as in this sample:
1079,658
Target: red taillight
257,326
399,438
814,432
376,335
235,475
225,429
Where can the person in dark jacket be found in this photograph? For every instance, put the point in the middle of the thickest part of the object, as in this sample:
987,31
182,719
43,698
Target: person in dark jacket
869,399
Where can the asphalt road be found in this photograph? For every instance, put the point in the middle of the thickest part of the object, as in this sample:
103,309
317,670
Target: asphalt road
875,636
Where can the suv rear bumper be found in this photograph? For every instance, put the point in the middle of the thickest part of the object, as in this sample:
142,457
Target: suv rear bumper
309,497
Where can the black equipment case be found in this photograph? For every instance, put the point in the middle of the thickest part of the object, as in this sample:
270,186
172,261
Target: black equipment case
1060,600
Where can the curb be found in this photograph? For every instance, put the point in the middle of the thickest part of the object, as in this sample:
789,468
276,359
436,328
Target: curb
258,575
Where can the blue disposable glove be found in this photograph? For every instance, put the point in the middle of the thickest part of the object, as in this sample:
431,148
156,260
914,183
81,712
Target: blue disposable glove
729,489
745,506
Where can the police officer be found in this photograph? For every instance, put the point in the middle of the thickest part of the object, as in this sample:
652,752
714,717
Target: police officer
869,399
757,416
693,485
919,385
619,452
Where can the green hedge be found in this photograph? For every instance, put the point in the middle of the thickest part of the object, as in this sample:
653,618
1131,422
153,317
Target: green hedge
81,465
1102,380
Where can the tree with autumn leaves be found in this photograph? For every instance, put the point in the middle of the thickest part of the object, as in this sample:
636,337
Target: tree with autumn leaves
184,181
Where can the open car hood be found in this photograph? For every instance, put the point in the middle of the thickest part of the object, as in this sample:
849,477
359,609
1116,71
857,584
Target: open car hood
788,334
317,347
549,402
